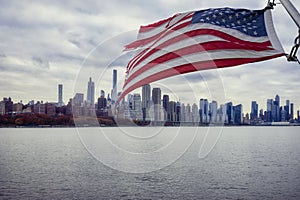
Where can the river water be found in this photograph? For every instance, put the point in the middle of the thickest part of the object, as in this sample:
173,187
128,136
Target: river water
60,163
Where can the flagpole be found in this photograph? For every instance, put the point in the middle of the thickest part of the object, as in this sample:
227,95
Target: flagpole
293,12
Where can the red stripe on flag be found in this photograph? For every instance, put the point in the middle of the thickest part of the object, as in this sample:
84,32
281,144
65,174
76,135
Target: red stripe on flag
210,46
190,34
192,67
143,42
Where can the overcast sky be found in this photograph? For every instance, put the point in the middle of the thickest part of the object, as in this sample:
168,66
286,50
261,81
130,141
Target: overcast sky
45,43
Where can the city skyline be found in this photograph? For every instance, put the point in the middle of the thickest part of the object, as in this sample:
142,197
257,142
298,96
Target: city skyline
205,111
158,96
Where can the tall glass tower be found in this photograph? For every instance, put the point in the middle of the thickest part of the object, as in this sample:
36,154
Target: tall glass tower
156,99
60,95
114,93
91,92
146,100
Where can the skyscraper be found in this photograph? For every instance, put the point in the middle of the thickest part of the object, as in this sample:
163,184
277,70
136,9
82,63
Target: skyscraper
292,111
156,96
146,100
136,102
229,113
203,106
114,92
166,107
276,109
270,109
146,96
60,95
254,110
156,99
287,110
237,114
213,108
102,93
115,74
91,92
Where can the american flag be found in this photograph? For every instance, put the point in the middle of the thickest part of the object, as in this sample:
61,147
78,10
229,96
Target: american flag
205,39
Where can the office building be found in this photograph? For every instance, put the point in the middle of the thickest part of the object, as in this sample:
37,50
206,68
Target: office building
166,107
213,108
254,111
102,93
156,99
238,114
91,92
60,95
78,99
203,111
114,91
146,100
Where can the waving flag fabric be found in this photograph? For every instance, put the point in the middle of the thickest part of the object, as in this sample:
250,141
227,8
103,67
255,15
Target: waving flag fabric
205,39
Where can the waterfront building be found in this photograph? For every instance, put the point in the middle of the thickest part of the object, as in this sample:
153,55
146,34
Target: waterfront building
229,113
60,95
254,111
270,110
102,93
203,111
292,112
238,114
39,108
166,106
78,99
114,91
50,109
146,101
213,108
17,108
91,92
195,113
156,99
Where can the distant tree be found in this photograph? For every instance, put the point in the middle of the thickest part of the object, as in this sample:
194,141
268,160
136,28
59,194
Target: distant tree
19,121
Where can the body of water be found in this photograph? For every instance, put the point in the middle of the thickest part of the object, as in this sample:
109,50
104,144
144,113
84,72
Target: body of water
55,163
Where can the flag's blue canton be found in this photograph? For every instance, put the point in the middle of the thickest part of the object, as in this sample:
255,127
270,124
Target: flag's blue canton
246,21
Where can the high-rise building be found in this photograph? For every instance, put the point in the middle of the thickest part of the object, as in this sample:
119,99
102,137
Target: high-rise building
114,92
188,116
270,110
195,113
146,100
136,107
137,102
229,113
156,99
115,74
172,111
60,95
102,103
222,114
276,109
91,92
166,107
292,111
204,111
254,111
78,99
183,113
213,108
287,110
102,93
238,114
156,96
